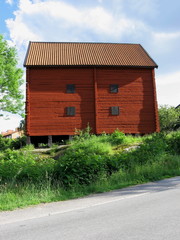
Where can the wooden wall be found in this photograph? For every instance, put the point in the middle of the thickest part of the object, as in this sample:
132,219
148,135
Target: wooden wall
47,100
135,100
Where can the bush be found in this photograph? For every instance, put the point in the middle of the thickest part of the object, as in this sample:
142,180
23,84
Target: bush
17,143
169,118
81,135
145,152
117,137
87,159
173,142
23,165
79,168
5,143
84,162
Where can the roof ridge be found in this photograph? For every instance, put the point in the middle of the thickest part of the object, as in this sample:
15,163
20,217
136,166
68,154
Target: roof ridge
85,42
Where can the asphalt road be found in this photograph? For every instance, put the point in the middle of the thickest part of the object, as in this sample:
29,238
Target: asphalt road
144,212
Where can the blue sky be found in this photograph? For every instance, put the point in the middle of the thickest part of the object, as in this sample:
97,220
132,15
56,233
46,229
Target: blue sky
155,24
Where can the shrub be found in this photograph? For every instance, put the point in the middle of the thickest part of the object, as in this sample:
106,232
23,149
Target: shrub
23,165
117,137
173,142
146,152
18,142
81,135
152,147
6,143
169,118
83,162
77,167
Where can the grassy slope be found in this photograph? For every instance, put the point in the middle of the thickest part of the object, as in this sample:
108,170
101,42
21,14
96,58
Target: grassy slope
20,194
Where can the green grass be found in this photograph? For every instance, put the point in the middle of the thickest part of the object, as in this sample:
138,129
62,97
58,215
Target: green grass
20,195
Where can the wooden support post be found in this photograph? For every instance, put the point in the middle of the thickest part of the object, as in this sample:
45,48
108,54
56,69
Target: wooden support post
70,137
49,141
28,140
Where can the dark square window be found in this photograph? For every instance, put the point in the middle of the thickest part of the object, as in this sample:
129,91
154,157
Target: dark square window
114,88
70,88
115,110
70,111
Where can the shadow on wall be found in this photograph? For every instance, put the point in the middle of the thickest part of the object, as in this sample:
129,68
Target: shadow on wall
135,99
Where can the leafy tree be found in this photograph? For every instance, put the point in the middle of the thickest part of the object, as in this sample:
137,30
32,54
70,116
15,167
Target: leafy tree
10,79
169,118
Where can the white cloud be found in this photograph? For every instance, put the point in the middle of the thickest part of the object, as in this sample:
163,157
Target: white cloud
19,31
167,42
9,124
53,20
165,37
168,86
58,21
10,2
171,78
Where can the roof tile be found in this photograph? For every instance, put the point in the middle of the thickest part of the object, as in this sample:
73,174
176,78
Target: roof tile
87,54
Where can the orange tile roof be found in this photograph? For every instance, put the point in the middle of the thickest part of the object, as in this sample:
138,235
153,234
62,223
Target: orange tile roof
8,132
87,54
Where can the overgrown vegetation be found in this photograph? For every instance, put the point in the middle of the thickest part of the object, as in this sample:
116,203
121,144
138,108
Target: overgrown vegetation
169,118
90,164
8,143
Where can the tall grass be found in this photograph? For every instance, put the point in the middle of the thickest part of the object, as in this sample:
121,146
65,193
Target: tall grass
91,164
24,194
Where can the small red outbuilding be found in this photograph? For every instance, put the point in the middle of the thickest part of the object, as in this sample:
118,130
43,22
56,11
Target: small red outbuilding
105,85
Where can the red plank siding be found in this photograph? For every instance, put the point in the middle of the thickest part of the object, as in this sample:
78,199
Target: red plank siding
135,99
47,100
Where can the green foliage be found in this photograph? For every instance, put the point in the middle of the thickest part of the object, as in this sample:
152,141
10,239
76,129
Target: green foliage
27,193
169,118
152,147
83,163
147,152
81,135
17,143
173,142
11,99
79,168
5,143
86,166
117,137
23,165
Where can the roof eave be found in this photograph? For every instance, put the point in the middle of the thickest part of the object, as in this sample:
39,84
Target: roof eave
122,66
27,53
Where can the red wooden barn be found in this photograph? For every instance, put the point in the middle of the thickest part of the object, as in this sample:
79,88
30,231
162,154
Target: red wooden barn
108,85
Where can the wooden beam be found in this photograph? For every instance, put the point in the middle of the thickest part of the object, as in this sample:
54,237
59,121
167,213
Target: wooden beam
49,141
28,140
